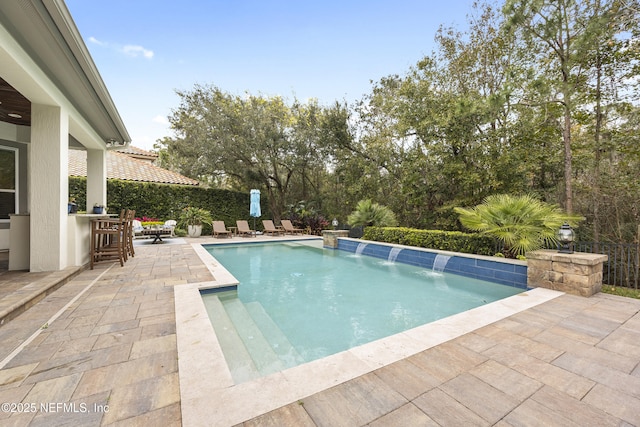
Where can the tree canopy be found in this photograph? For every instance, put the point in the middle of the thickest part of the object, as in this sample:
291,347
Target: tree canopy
250,141
532,97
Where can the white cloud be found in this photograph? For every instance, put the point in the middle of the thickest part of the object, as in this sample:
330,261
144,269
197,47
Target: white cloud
130,49
135,51
161,120
96,41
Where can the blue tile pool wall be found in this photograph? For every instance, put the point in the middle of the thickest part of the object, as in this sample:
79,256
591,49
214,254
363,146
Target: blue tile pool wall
477,268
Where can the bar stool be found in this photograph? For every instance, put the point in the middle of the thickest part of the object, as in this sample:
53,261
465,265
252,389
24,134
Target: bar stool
129,217
108,240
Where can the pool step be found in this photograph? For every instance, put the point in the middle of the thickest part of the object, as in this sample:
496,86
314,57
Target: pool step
238,359
264,357
277,339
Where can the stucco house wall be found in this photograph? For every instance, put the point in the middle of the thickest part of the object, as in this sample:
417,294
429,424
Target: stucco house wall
52,98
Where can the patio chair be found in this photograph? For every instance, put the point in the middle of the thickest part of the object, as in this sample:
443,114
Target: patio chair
136,228
219,229
269,228
170,225
289,228
243,228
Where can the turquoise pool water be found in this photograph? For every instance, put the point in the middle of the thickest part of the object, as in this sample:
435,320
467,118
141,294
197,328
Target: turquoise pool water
296,303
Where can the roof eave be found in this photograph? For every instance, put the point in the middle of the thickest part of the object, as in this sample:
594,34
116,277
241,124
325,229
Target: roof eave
46,31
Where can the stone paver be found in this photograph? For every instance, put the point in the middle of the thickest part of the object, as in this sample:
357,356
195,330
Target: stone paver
110,358
114,348
406,415
355,402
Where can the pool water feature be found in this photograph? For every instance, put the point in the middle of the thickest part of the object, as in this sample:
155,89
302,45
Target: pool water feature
361,247
440,262
297,303
393,254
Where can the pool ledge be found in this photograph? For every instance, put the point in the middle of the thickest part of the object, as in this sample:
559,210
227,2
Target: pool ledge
210,398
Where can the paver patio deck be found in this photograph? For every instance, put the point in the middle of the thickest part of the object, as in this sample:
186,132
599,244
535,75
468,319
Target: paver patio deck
106,339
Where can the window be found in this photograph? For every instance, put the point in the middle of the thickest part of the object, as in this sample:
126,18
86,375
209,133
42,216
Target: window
8,182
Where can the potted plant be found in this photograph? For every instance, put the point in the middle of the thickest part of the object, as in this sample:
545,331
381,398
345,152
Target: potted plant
193,218
98,208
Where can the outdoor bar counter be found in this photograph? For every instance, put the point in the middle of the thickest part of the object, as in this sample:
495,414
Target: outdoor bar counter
79,234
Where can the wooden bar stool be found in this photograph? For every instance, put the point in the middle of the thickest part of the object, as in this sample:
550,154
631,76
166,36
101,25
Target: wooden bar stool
129,217
108,241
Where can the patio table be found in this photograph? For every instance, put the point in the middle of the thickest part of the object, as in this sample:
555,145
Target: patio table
157,233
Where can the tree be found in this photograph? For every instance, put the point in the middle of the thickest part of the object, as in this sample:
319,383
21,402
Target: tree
609,60
522,223
444,134
528,101
563,33
248,142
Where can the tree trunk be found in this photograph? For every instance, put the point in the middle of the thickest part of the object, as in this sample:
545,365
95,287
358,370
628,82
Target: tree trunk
596,166
566,136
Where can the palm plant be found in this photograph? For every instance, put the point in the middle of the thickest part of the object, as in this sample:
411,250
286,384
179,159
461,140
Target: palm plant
522,223
372,214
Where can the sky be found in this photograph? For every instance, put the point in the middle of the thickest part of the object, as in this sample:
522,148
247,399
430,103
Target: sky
330,50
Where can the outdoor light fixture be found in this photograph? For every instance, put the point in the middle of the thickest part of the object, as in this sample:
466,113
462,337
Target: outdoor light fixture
334,223
113,143
565,238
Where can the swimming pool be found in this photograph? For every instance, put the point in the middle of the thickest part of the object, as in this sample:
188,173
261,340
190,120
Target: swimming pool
297,303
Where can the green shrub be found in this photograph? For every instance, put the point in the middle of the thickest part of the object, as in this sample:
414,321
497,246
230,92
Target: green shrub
166,201
453,241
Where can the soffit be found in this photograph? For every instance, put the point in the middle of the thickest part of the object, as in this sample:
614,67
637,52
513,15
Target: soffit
46,32
12,102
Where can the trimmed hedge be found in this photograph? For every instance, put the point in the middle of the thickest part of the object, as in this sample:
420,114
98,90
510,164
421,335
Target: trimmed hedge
166,201
454,241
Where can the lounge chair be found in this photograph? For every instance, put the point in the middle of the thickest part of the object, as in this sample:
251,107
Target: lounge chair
219,229
243,228
289,228
269,228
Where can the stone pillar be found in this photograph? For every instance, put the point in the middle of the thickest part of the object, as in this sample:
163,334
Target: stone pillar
330,237
578,273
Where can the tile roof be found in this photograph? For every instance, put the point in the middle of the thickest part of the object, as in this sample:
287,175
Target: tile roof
138,152
123,166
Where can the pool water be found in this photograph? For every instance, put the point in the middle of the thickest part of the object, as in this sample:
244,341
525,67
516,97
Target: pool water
296,303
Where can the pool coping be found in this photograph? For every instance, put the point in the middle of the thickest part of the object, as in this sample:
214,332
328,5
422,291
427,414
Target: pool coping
209,396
